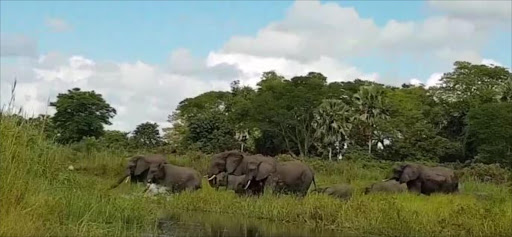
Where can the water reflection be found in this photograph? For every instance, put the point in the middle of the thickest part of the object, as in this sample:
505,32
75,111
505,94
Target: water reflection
215,225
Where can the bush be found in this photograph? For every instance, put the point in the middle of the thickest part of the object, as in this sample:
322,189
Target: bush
486,173
284,157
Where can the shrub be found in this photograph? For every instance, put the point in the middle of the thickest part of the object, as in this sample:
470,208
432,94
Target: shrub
486,173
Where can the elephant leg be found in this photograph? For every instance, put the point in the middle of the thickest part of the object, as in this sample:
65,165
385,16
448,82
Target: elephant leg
414,186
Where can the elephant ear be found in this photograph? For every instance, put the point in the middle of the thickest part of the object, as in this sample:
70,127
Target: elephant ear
409,173
141,166
232,162
264,170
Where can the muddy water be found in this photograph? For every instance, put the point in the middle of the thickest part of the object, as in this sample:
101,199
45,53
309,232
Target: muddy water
215,225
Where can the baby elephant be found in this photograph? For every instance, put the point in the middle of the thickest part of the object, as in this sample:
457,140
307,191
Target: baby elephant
389,186
231,182
173,177
341,191
239,184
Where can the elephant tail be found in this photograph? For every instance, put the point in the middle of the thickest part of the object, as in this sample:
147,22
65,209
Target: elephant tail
314,182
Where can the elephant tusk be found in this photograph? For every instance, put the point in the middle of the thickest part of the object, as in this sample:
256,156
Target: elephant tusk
127,179
213,176
248,183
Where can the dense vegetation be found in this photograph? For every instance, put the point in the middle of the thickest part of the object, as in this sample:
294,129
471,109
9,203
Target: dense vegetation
465,118
369,125
41,197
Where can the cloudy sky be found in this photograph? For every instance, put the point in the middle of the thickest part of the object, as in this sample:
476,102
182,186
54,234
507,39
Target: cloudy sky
145,57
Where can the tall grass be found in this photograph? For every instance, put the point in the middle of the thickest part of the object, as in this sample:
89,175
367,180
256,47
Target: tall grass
41,197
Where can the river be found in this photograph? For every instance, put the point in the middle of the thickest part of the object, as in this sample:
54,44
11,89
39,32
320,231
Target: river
215,225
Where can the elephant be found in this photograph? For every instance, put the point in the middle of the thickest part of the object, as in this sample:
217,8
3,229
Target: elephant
283,177
341,191
237,183
426,180
292,177
256,168
175,178
388,186
137,168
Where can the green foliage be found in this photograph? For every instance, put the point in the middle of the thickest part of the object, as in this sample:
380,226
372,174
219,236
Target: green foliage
486,173
411,127
370,107
80,114
115,140
468,86
490,133
211,132
147,135
287,107
333,123
43,198
306,116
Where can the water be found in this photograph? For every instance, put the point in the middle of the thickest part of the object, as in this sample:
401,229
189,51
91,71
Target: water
216,225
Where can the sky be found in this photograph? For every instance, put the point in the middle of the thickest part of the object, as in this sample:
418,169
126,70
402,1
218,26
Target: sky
145,57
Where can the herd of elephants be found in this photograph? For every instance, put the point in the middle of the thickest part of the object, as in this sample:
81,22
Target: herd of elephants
248,174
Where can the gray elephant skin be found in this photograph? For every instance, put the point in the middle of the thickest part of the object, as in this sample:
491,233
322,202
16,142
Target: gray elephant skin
175,178
426,180
138,167
283,177
292,177
236,183
387,186
256,168
341,191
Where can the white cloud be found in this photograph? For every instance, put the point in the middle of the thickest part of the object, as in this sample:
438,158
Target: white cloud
58,25
312,29
16,45
434,79
313,36
499,10
139,91
490,62
415,81
253,66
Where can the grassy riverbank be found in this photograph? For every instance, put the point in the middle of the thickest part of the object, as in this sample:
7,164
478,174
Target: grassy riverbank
39,196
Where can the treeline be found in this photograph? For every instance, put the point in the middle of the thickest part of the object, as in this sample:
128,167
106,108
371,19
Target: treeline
79,122
466,117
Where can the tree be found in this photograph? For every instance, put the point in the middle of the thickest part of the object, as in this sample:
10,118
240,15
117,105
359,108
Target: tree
147,135
332,124
369,101
468,86
114,139
211,133
287,106
490,133
80,114
411,129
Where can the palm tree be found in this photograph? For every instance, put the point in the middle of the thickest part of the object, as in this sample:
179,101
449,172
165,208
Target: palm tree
370,104
332,123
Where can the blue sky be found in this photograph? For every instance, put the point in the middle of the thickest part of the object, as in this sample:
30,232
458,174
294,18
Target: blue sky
115,30
188,47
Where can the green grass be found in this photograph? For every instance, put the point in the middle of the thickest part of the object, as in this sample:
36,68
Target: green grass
40,197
